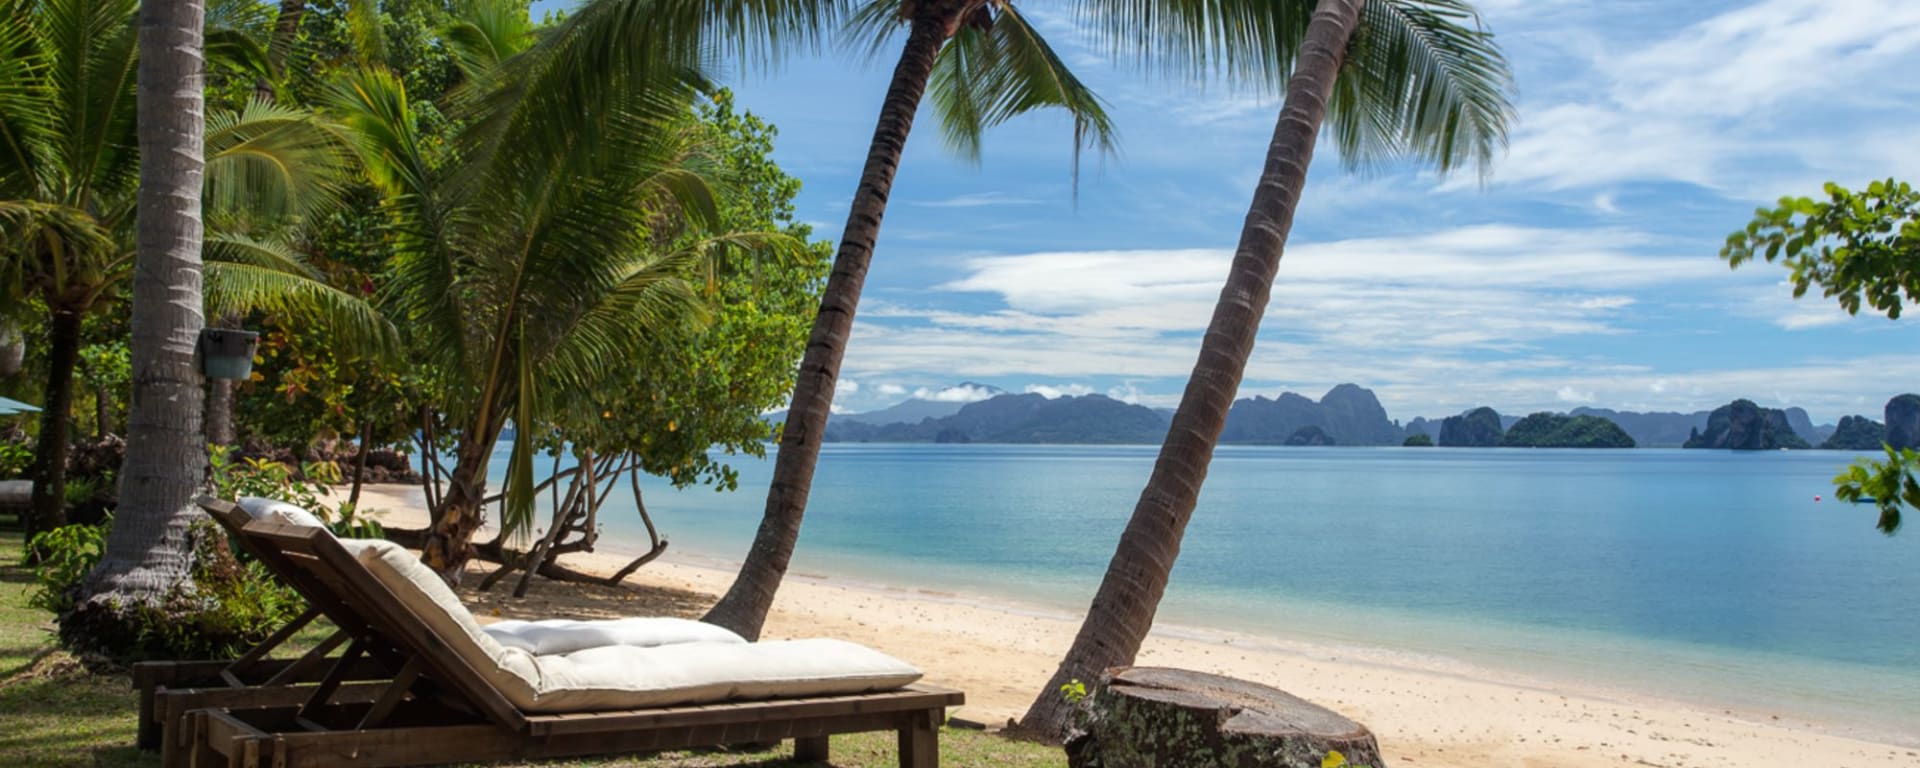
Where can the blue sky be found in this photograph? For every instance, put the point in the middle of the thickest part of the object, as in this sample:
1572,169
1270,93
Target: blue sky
1585,271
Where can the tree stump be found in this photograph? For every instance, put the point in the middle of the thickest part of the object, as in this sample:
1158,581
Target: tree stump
1148,717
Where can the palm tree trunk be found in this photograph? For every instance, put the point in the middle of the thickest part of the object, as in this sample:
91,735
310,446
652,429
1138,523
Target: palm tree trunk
360,463
744,607
56,426
1123,608
449,543
166,463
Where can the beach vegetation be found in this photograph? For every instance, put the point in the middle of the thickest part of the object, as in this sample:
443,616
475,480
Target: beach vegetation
1888,485
1421,440
980,63
1862,248
1408,79
692,394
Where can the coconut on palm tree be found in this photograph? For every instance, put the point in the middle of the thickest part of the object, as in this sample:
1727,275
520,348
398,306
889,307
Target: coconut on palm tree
984,64
1413,78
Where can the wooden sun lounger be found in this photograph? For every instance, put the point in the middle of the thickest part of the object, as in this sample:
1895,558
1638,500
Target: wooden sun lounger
168,688
439,709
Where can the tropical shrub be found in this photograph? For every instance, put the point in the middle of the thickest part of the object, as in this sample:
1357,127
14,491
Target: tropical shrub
66,555
14,459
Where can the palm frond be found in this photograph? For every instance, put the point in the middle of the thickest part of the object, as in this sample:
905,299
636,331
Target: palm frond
270,162
91,44
49,246
26,122
983,78
486,33
1424,79
246,275
873,25
368,34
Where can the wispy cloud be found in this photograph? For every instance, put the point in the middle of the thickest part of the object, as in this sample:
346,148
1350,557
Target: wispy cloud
978,200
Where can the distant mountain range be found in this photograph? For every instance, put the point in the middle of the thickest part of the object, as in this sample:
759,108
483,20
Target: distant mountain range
1348,414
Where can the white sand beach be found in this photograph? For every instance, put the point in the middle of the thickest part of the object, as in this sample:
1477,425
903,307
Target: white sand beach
1424,715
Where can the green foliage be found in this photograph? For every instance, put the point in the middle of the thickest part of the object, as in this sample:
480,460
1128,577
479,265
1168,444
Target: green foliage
1553,430
1861,248
67,555
1074,691
307,489
1889,485
15,459
695,387
1421,440
106,371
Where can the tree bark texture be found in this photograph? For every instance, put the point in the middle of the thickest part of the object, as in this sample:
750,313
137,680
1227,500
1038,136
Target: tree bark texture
1123,608
56,427
744,607
1145,717
147,553
449,543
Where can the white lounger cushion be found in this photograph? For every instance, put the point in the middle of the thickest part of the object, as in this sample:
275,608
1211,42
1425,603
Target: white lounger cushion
624,677
549,636
276,511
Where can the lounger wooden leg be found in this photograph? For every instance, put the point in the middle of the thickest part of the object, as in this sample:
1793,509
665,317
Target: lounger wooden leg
810,749
920,740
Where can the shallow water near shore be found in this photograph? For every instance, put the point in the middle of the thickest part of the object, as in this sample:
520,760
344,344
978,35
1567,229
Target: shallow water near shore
1704,576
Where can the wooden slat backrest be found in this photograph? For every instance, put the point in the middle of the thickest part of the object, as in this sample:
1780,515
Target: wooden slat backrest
318,594
327,563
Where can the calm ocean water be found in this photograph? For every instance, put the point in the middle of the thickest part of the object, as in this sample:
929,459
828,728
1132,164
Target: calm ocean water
1701,575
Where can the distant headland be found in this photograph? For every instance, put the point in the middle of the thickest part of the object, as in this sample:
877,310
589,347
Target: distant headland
1350,415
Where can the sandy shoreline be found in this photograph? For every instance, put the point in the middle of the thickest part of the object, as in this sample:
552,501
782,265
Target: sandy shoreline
1000,654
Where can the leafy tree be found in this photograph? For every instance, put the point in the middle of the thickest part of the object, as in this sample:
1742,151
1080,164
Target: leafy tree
1421,440
1416,78
1887,485
982,64
1861,248
68,187
693,393
556,241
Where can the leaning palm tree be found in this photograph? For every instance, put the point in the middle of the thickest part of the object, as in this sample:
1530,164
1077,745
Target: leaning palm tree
1415,78
546,251
984,64
68,161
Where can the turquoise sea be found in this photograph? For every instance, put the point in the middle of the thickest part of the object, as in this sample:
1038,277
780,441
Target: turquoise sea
1704,576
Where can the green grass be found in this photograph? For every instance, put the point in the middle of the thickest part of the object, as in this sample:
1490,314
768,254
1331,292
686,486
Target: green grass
55,713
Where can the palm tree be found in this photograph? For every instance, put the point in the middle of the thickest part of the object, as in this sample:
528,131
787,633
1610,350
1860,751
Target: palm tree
985,64
68,184
547,250
1413,77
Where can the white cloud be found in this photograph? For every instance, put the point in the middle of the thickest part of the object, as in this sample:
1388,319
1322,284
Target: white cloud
963,393
1729,102
891,390
1570,395
846,387
1054,393
978,200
